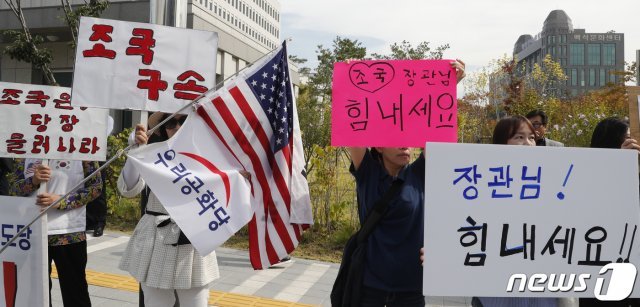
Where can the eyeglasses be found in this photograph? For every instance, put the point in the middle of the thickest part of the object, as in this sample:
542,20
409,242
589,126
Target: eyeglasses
537,125
173,123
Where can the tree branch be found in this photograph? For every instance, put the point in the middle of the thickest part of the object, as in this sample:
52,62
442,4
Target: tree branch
67,12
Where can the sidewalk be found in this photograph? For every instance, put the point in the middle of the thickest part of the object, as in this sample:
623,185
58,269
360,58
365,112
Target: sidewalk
296,283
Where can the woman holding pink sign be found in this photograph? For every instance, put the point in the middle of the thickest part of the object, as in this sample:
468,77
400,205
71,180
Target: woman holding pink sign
386,178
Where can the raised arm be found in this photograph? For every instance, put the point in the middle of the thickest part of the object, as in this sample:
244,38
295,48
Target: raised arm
130,183
357,154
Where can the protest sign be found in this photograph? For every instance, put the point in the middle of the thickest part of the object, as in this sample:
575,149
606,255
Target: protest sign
24,263
40,122
129,65
530,221
393,103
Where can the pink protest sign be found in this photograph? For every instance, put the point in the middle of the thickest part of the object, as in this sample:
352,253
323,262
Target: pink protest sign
393,103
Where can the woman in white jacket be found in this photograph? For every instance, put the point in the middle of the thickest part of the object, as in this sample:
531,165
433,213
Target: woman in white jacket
158,255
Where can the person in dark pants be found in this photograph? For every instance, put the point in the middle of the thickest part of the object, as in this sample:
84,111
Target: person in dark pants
97,209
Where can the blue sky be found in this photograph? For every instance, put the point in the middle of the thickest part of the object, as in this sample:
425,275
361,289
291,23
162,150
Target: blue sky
478,31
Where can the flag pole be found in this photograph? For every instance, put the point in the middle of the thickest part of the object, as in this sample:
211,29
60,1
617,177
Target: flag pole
120,152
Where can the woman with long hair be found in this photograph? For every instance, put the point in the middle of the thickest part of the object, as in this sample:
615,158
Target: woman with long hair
514,130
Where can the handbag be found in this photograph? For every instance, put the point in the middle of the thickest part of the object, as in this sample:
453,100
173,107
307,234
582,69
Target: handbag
347,288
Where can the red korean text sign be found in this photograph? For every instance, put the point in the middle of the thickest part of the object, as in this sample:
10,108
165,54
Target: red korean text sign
393,103
40,122
129,65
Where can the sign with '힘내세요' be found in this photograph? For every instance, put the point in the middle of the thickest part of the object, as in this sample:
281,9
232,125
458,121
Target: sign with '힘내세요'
530,221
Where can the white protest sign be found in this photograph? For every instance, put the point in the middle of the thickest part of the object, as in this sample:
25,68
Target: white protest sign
129,65
40,122
492,211
24,263
199,185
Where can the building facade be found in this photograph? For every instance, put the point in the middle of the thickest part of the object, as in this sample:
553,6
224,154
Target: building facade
588,59
247,30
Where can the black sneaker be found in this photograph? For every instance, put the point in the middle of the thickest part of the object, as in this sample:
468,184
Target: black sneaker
98,231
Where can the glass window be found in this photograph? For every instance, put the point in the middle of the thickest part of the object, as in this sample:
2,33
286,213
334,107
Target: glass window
603,77
612,77
582,77
564,50
593,54
576,54
592,77
574,77
609,52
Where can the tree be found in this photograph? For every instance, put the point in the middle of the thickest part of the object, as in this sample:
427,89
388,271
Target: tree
26,47
514,87
303,71
343,49
547,78
92,9
405,51
629,74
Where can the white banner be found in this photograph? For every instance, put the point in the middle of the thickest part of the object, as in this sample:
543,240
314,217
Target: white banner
129,65
200,187
553,216
24,263
39,122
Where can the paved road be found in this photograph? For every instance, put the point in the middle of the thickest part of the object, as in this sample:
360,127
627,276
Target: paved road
299,281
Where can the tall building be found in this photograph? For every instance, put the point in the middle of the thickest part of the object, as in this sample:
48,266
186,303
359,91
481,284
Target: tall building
247,30
588,59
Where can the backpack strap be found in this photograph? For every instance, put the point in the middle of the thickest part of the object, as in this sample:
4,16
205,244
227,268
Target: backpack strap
379,210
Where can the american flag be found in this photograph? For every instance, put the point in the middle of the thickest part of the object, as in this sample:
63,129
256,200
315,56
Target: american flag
255,117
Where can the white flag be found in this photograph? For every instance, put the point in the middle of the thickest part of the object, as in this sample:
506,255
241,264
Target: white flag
199,185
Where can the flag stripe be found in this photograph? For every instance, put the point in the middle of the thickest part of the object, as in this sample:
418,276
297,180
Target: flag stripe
256,230
257,167
264,141
207,119
203,113
255,114
254,246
